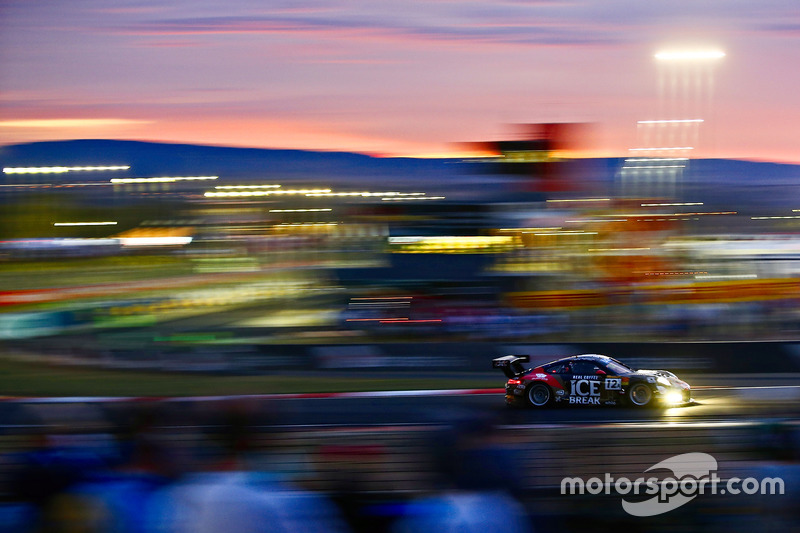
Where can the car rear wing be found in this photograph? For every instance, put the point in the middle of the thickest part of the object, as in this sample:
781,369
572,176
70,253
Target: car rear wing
511,365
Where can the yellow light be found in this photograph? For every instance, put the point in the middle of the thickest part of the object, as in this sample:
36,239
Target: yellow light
689,55
60,169
35,170
84,223
673,398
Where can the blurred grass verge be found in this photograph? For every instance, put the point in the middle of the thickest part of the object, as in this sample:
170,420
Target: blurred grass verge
23,378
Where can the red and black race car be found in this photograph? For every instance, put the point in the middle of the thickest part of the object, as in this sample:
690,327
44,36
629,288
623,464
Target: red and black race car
589,379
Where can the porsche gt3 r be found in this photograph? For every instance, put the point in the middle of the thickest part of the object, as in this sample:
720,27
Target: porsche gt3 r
589,380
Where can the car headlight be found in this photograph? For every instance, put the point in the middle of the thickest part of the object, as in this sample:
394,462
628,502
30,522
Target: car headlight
673,398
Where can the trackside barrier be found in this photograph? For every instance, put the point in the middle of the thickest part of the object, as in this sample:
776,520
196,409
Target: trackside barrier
442,358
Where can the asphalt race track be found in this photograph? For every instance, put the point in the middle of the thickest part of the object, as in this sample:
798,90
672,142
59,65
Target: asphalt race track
717,400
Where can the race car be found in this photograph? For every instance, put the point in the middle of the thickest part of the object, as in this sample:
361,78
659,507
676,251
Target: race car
589,379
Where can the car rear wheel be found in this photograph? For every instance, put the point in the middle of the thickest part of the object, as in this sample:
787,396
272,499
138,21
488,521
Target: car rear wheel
539,395
640,395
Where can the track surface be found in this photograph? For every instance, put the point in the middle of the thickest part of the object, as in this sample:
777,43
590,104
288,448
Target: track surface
721,399
715,403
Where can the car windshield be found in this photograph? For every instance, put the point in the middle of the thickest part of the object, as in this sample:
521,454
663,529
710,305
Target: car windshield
616,367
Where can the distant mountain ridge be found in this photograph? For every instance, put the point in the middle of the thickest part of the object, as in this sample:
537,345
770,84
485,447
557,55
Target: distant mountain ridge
723,183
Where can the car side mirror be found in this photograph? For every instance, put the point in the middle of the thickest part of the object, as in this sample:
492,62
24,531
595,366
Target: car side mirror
600,372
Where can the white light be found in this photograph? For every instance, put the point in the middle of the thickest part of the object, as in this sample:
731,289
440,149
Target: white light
648,159
655,166
247,186
155,241
163,179
235,194
673,398
726,276
689,55
306,224
675,121
298,210
399,199
35,170
672,204
84,223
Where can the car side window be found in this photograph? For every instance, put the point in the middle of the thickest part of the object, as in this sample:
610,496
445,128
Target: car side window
585,368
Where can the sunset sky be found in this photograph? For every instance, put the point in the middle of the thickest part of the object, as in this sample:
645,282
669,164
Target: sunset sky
399,77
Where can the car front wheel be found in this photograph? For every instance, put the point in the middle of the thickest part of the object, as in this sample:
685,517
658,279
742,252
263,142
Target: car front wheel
640,395
539,395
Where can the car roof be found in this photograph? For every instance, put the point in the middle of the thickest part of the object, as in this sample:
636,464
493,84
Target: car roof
583,357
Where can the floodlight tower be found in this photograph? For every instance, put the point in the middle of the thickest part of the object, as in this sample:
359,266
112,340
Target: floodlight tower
685,86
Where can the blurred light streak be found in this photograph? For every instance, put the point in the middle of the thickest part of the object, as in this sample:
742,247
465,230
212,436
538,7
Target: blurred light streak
247,187
619,249
399,199
84,223
304,224
726,276
554,228
654,159
580,200
385,298
671,121
773,218
672,204
154,241
164,179
61,169
640,215
237,194
661,149
299,210
569,233
654,166
367,194
689,55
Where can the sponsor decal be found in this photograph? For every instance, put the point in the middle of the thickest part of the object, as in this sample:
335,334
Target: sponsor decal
584,400
584,387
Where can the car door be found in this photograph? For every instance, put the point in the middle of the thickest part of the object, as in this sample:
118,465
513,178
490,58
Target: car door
585,383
